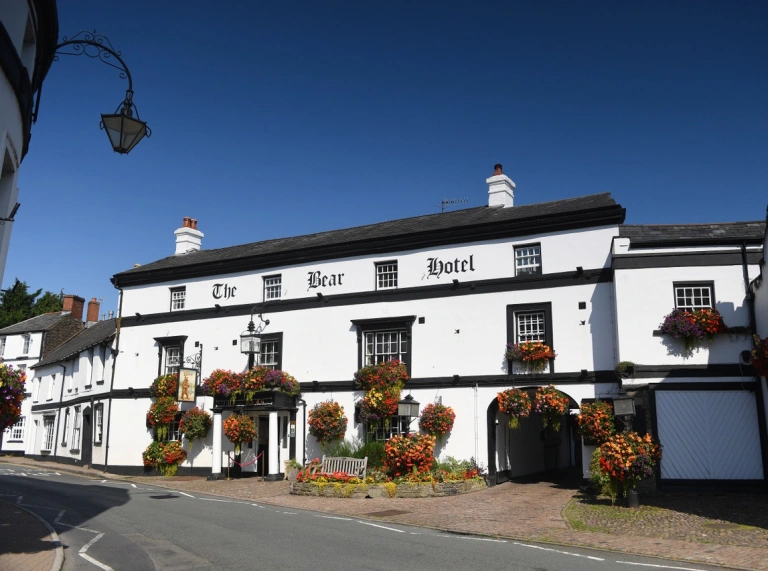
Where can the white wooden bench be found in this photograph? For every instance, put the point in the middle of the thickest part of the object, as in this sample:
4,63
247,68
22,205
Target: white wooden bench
355,467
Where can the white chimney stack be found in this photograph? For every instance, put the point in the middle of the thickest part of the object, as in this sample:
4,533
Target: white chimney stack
501,189
188,237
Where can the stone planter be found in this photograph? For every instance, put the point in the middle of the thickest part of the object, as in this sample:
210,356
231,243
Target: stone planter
405,490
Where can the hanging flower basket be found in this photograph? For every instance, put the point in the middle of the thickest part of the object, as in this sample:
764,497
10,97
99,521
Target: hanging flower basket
164,457
760,356
596,422
552,405
195,424
327,422
239,428
693,326
11,394
516,403
404,455
162,413
164,386
533,355
437,419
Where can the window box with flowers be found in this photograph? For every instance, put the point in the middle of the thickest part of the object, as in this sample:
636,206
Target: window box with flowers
230,389
692,327
533,356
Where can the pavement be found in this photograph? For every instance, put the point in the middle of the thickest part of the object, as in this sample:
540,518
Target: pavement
729,530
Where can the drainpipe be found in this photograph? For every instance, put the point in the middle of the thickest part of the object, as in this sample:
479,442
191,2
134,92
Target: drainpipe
477,435
58,415
304,447
115,353
759,397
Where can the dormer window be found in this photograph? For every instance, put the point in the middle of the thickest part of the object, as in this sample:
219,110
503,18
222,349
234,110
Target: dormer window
27,342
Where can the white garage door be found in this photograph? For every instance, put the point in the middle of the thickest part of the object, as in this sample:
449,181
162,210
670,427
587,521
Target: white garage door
709,435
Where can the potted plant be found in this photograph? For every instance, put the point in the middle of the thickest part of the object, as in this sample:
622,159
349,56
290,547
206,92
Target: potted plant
164,386
382,384
327,422
516,403
161,414
292,468
625,370
626,459
552,405
534,355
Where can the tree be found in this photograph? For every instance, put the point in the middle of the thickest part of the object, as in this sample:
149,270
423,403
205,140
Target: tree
49,302
18,304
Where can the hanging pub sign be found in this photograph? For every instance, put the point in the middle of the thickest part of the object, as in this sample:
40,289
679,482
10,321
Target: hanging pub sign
187,384
437,267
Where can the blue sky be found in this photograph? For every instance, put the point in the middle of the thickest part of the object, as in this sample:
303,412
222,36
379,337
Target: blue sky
274,119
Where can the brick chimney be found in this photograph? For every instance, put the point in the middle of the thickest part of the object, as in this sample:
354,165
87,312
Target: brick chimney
93,311
73,304
501,189
188,237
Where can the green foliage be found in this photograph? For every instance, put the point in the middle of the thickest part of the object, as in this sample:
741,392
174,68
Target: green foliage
356,448
17,304
49,302
599,482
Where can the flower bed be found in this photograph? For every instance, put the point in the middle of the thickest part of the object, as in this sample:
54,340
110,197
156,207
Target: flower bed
388,489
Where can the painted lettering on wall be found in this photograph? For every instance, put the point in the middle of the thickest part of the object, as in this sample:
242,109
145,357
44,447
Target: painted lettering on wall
436,267
316,279
223,291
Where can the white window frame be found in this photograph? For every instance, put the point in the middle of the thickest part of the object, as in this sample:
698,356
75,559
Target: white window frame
398,425
75,442
16,430
178,298
386,275
693,296
376,342
47,443
50,387
528,259
530,326
269,356
171,359
27,342
273,287
66,427
98,423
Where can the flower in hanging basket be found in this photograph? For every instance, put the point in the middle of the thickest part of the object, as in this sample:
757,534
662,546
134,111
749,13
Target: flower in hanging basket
760,356
327,422
173,455
154,455
382,375
552,405
626,458
596,421
195,424
379,404
278,380
437,419
239,428
534,355
11,394
164,386
221,383
161,413
516,403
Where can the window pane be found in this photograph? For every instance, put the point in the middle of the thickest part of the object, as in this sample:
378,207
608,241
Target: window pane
386,275
383,346
178,298
528,260
172,359
269,354
272,287
691,298
530,327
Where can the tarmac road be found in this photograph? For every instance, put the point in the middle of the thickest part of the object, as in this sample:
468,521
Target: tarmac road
110,524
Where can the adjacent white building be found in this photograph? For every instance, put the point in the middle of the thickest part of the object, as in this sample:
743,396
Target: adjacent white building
29,31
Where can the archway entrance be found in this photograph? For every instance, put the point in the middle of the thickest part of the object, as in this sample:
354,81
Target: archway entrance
531,450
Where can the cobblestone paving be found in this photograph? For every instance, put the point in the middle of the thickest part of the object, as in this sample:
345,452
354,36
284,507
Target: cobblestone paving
712,518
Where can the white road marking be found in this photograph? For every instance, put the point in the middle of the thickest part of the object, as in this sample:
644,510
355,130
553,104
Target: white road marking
103,481
331,517
58,517
80,528
290,513
213,500
83,554
37,507
562,552
381,526
474,538
186,494
18,500
659,566
134,485
254,505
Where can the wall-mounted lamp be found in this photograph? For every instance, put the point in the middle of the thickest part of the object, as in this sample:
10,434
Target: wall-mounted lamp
408,407
250,342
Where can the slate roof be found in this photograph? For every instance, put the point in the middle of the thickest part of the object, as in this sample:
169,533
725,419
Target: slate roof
88,337
468,218
40,323
725,233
